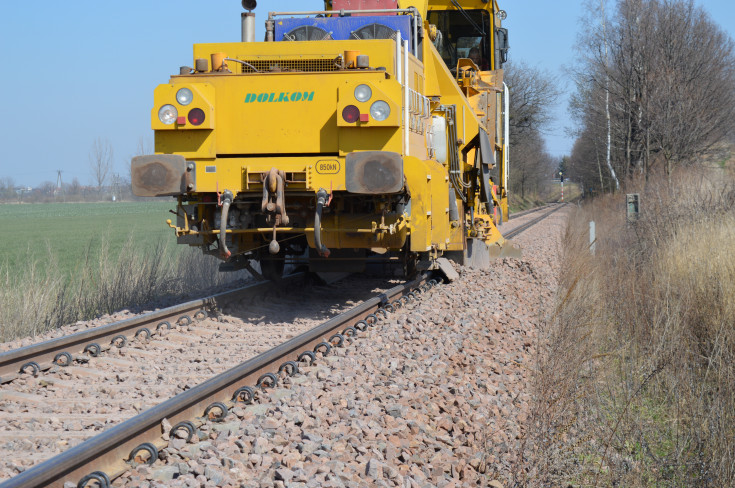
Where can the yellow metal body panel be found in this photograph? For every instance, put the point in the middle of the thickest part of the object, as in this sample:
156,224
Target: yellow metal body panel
439,194
190,143
418,183
286,112
352,139
243,174
429,217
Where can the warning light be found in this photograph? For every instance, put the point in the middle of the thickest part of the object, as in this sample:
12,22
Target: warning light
196,116
351,114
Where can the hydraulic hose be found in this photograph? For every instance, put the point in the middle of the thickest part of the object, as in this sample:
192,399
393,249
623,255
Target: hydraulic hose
321,200
226,202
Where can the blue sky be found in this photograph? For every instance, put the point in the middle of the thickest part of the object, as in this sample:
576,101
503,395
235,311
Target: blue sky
74,71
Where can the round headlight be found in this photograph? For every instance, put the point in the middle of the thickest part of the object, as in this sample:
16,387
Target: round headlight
363,93
380,110
168,114
184,96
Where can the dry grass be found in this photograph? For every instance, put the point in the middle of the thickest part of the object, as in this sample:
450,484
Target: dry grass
43,298
636,381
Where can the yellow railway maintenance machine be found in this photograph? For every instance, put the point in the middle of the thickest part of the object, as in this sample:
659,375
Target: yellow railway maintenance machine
372,131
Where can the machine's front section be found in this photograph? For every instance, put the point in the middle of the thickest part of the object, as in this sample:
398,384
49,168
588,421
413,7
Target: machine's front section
335,141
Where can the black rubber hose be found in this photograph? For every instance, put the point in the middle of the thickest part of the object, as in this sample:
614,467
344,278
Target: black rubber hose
321,200
226,202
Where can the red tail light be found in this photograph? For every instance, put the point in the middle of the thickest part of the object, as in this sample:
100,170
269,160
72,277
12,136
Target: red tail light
196,116
351,114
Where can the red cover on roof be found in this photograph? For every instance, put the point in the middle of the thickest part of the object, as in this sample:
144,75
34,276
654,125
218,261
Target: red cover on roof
364,5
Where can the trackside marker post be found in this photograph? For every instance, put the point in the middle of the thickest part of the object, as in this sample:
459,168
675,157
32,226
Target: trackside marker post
593,239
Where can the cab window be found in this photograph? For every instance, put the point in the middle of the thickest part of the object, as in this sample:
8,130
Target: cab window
463,34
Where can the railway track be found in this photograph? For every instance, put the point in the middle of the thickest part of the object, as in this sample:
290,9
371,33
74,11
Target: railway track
63,352
42,415
526,225
517,215
138,439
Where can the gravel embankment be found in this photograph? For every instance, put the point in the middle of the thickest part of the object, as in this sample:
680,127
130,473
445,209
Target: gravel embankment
436,395
60,408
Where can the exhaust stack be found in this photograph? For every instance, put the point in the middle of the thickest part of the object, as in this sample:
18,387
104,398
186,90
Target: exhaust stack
248,21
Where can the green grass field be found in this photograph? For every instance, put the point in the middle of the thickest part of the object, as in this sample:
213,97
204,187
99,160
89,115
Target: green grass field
60,263
67,232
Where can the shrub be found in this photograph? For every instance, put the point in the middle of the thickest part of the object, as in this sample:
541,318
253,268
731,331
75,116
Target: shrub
636,381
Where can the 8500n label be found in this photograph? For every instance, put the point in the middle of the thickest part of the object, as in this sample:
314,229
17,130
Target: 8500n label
327,167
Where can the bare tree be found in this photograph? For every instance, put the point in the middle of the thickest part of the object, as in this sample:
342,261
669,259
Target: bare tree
693,101
7,188
664,73
144,147
532,165
100,161
75,188
532,95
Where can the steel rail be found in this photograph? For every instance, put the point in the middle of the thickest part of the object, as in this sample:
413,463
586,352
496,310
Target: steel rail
529,211
45,355
108,453
531,223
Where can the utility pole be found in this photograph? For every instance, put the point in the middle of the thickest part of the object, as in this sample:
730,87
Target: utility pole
59,185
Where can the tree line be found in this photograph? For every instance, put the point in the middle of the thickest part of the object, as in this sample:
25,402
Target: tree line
655,90
105,183
533,93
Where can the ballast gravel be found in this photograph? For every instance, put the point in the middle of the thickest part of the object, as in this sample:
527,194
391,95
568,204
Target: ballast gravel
435,395
44,415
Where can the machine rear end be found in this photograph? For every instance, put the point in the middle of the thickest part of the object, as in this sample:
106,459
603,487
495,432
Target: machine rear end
344,139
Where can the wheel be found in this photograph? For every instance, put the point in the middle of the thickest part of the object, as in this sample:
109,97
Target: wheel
272,268
410,262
